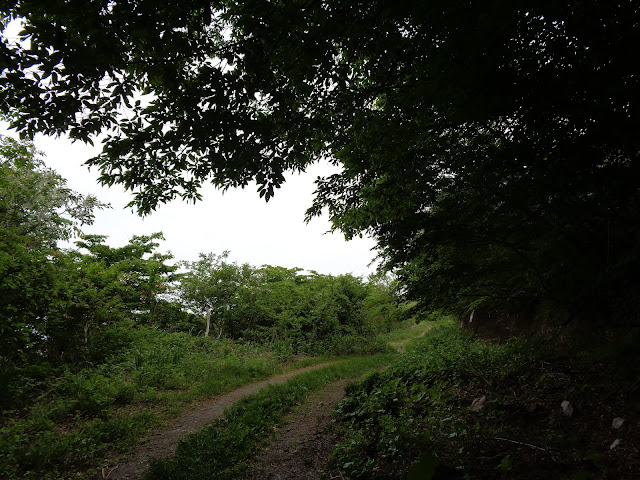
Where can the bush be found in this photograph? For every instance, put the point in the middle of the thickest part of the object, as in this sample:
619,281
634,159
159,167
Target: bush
74,415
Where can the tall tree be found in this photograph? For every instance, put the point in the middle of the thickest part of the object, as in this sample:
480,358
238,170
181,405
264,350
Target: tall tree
489,146
209,288
101,288
138,268
37,210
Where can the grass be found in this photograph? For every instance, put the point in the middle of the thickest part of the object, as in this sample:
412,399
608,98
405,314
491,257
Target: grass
407,331
76,420
402,339
221,450
414,419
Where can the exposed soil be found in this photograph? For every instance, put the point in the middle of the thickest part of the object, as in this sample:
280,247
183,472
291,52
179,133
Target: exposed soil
300,449
303,441
163,442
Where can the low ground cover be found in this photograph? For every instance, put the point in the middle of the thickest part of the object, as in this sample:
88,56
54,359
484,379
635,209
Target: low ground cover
222,450
454,407
71,419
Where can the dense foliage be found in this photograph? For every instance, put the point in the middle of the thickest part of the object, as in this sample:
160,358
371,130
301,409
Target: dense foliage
291,310
489,147
96,340
73,417
36,211
57,304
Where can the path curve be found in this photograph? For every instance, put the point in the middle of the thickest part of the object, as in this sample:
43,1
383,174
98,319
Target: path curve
163,443
304,439
400,345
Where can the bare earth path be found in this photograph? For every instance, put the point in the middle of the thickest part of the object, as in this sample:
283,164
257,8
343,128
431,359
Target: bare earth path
163,443
300,449
304,440
400,346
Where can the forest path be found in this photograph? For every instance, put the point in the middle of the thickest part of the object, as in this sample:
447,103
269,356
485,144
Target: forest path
300,449
305,439
163,442
400,345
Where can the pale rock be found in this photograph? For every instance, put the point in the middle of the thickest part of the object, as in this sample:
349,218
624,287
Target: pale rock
615,443
617,422
567,408
478,403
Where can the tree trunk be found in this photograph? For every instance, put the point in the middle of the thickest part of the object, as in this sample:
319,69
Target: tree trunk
208,320
220,326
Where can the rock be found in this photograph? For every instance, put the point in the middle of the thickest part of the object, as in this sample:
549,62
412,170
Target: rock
567,408
617,422
615,443
478,403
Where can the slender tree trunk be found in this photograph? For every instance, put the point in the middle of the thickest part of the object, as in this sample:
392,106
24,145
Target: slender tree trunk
220,326
208,320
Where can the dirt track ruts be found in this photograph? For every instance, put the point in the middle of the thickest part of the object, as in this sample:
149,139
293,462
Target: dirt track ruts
163,443
303,440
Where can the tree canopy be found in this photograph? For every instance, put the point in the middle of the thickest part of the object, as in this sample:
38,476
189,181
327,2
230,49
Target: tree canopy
285,305
37,210
488,146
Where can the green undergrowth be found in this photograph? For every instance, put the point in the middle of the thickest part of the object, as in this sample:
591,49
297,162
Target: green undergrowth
73,419
415,421
221,450
407,330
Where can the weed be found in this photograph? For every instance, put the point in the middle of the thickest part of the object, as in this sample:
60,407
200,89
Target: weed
221,450
83,415
422,404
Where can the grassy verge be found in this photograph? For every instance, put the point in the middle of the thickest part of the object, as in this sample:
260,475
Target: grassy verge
404,337
72,421
416,420
407,330
221,450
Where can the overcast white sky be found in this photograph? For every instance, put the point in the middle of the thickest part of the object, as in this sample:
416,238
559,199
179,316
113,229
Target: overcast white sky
254,231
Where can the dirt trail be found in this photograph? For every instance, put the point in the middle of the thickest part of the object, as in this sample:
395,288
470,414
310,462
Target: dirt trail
163,443
303,441
300,449
400,346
